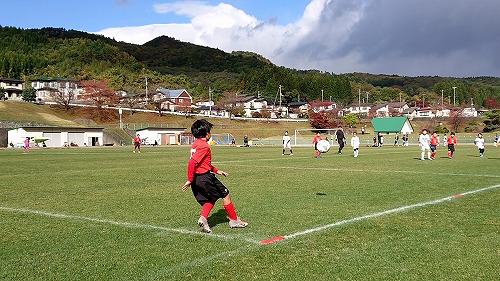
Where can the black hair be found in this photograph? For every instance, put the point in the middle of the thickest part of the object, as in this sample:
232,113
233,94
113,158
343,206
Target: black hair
201,128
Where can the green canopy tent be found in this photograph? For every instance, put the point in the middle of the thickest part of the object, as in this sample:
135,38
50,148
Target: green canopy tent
399,124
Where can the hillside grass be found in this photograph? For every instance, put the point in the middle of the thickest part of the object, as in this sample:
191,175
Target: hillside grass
108,214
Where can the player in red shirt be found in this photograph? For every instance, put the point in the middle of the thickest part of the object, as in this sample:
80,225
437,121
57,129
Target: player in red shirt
433,143
316,139
137,143
451,140
207,189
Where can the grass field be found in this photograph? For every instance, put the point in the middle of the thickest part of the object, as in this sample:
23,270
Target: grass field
109,214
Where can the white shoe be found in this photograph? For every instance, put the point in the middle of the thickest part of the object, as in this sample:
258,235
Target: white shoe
203,223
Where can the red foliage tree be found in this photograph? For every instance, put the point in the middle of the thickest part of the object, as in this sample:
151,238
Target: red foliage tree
99,93
322,119
492,103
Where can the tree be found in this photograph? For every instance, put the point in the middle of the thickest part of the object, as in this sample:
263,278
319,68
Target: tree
98,92
29,94
63,97
3,93
232,104
350,119
456,119
492,120
322,119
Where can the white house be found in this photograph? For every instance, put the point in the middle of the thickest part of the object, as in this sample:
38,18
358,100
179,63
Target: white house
160,136
57,136
47,87
358,108
13,88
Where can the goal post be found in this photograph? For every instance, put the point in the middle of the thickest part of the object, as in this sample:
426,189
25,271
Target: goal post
303,137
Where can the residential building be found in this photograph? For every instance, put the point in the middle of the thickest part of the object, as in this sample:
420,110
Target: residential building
13,88
173,100
47,88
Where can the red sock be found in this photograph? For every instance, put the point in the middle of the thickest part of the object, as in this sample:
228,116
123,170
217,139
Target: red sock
206,208
449,153
231,212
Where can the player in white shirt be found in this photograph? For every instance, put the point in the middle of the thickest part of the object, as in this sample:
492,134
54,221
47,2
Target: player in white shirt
479,142
287,143
355,143
424,143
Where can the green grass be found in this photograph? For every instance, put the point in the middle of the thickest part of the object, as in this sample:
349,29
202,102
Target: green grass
108,214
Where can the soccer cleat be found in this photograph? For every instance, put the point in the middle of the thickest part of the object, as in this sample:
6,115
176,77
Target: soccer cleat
291,154
237,223
422,158
203,223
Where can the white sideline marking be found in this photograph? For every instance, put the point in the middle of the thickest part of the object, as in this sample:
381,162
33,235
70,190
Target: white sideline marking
365,171
125,224
391,211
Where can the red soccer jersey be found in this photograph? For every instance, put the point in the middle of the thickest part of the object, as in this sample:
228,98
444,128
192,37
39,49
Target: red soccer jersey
317,139
137,139
451,140
201,159
434,140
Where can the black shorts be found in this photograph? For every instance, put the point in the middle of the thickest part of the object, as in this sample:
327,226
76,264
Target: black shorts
433,147
207,188
137,144
451,147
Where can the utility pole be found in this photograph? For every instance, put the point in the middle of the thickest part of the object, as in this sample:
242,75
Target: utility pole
454,89
321,94
442,102
146,89
209,101
359,101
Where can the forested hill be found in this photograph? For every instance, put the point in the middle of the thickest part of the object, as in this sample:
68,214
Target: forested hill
167,62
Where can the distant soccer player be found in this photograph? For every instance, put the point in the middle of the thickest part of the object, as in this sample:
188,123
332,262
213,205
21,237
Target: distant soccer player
451,141
479,142
423,141
433,143
339,135
137,143
287,143
26,148
207,189
355,143
316,139
496,140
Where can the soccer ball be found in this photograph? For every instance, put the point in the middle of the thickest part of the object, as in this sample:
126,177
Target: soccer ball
323,146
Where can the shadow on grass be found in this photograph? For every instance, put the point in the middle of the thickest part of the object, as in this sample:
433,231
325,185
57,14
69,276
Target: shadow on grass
218,217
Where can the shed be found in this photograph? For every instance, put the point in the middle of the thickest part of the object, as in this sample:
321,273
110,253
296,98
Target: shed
398,124
162,136
58,136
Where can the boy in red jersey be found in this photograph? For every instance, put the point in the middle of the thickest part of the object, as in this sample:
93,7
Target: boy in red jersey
451,140
316,139
137,143
433,143
207,189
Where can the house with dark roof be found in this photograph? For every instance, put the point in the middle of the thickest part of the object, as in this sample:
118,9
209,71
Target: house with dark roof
46,87
57,136
173,100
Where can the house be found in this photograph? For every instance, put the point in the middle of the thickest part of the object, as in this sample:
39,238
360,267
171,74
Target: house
359,108
380,110
296,109
410,112
398,124
161,136
47,87
397,108
425,112
173,100
57,136
13,88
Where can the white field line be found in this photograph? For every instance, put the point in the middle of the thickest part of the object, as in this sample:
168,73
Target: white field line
124,224
365,171
387,212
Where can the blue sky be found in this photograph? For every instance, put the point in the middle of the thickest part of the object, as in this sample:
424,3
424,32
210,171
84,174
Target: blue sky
458,38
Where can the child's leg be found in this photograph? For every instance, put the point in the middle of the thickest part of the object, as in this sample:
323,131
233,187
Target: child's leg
229,207
206,208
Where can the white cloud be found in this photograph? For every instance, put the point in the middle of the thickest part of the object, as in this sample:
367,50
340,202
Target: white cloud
413,37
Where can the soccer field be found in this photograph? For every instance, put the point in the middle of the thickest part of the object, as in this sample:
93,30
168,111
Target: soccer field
108,214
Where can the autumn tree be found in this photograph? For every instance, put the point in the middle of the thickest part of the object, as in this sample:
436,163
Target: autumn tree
99,93
456,119
231,102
